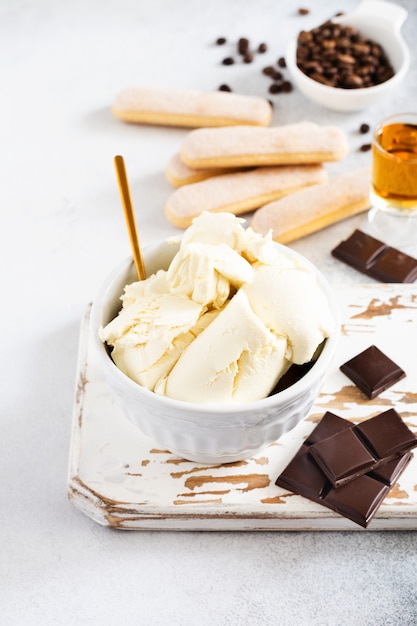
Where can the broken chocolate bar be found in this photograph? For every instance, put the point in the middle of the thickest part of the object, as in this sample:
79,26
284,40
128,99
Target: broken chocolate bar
372,371
361,449
358,500
376,259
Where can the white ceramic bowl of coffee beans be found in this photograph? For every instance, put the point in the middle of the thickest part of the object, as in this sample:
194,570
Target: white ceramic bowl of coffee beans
352,61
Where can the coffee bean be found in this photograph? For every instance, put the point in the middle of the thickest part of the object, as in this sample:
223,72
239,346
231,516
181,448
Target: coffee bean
331,73
221,41
248,58
323,80
305,37
346,59
262,48
275,88
383,74
268,71
243,45
303,11
361,48
281,62
352,81
313,66
276,75
364,128
286,86
228,61
224,88
376,50
364,70
365,147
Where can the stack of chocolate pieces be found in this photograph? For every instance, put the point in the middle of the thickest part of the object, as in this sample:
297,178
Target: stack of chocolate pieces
350,468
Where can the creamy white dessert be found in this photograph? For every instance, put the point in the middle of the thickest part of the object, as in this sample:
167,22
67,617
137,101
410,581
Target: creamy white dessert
224,322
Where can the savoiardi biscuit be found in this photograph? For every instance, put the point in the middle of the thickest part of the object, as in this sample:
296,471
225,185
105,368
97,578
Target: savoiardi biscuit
239,192
188,108
179,174
245,146
312,209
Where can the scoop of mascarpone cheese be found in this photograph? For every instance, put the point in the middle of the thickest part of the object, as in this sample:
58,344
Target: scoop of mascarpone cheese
224,322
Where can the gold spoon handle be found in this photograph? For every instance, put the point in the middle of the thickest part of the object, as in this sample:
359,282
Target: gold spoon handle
129,216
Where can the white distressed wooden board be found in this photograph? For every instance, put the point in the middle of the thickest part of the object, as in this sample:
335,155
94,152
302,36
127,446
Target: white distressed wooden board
120,479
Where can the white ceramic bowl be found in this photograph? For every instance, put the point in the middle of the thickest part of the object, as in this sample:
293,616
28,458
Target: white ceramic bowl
211,434
378,20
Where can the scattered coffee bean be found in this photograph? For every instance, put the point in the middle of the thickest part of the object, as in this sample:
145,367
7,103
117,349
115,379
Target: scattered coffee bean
275,88
286,86
338,56
277,75
272,72
365,147
303,11
364,128
268,71
243,45
243,48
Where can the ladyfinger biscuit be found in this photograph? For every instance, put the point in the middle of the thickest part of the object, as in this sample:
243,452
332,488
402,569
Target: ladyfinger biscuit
179,174
312,209
244,146
239,192
183,107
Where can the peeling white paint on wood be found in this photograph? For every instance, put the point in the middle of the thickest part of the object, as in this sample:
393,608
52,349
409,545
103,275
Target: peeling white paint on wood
118,477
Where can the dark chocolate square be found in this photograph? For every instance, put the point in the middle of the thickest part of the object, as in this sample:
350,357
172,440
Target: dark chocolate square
389,472
329,425
302,475
386,435
342,457
372,371
395,267
359,250
358,500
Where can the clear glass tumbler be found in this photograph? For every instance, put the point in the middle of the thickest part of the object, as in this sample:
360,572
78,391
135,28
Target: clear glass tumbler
393,216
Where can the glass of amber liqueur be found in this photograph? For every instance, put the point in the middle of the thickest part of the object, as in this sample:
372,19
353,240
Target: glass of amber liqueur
393,216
